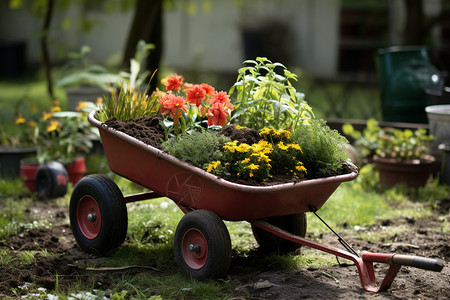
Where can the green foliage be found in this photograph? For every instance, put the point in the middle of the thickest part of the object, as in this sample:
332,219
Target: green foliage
63,136
389,142
126,105
79,70
323,148
266,98
367,140
198,148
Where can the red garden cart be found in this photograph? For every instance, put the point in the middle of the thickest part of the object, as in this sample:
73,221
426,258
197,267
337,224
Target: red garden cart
202,244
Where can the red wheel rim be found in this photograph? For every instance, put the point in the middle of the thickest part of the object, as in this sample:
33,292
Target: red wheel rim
194,248
89,217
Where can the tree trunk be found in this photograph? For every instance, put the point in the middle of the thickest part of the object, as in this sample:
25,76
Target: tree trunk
147,25
414,33
44,46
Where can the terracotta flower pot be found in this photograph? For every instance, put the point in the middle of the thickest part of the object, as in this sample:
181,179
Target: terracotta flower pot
76,170
28,169
412,173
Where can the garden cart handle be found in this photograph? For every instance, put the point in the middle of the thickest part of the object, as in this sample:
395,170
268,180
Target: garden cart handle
430,264
418,262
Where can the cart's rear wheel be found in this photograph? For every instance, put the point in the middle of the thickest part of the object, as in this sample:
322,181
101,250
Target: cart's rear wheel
98,215
268,242
202,245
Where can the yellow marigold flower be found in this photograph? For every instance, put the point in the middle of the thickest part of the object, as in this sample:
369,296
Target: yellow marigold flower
20,120
247,160
243,148
56,108
230,146
80,105
46,115
282,146
294,146
300,167
53,126
212,166
252,167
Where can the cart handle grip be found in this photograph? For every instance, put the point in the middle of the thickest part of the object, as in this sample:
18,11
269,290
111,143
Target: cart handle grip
430,264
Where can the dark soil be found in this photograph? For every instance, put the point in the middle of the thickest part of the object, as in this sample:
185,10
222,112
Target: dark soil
251,275
145,129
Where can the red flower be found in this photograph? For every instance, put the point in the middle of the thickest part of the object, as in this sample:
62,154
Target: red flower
217,114
208,89
196,94
172,105
222,97
173,82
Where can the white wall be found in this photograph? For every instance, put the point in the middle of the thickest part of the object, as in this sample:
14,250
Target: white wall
209,40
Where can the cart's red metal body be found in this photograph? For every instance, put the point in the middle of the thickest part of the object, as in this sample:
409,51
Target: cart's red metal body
192,188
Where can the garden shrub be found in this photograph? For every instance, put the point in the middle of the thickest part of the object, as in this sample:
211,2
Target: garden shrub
323,148
197,148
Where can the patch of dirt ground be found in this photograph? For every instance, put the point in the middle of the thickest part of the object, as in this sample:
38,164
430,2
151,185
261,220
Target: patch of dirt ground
253,279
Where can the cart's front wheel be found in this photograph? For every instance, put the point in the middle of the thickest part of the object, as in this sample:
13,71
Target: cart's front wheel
202,245
98,215
268,242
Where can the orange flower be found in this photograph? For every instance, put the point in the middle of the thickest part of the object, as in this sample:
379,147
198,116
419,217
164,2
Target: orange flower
217,114
173,82
208,89
172,105
196,94
222,97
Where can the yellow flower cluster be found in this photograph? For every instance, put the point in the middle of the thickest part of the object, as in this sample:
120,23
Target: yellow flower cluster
273,134
260,160
212,166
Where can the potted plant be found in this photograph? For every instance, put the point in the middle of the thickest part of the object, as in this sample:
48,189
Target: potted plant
18,141
61,137
399,155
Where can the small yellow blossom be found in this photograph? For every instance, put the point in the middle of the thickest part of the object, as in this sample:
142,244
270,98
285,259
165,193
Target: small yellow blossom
20,120
56,109
212,166
53,126
80,105
99,101
46,115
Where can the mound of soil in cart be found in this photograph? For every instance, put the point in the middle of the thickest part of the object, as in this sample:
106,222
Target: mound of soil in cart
146,129
251,277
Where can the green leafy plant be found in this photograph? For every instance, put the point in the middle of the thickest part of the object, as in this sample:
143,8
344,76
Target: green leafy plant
63,136
403,144
388,142
198,148
79,71
366,140
266,97
324,151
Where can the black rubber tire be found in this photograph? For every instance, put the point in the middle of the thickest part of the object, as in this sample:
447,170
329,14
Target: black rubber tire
217,242
106,196
51,180
268,242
